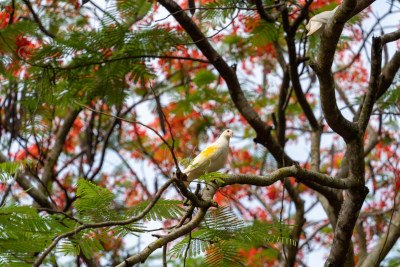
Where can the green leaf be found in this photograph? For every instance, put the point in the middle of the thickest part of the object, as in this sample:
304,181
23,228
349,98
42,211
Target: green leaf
94,202
232,39
25,232
163,209
263,33
204,77
208,177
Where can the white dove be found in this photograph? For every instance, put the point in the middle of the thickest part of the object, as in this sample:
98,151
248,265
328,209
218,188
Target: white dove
318,22
210,159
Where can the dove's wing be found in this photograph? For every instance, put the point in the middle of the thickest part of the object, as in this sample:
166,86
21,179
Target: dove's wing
202,161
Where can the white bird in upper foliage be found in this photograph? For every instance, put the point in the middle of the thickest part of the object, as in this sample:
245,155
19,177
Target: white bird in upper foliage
210,159
318,22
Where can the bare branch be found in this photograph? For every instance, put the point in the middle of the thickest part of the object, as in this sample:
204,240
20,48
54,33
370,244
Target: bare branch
261,11
52,158
35,193
299,173
37,20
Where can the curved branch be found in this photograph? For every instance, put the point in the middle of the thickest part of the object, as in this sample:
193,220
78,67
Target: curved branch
388,74
261,11
130,57
37,20
294,75
373,86
299,173
323,69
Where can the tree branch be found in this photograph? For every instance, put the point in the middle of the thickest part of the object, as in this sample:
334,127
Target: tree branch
323,69
299,221
370,98
51,160
36,194
299,173
261,11
388,74
37,19
294,75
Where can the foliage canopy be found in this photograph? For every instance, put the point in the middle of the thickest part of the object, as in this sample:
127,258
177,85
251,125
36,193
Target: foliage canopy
100,104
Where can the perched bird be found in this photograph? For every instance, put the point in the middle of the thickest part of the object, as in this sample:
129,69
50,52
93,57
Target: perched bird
318,22
210,159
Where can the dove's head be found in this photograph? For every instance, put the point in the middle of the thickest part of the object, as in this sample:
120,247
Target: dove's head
228,133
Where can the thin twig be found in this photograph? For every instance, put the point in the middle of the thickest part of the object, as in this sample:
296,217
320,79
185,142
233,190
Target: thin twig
391,217
187,250
164,255
170,132
37,20
280,220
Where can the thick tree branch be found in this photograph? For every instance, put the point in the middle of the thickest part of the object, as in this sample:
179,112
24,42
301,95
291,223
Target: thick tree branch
390,37
36,194
388,74
261,11
351,206
370,98
323,69
299,173
52,158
